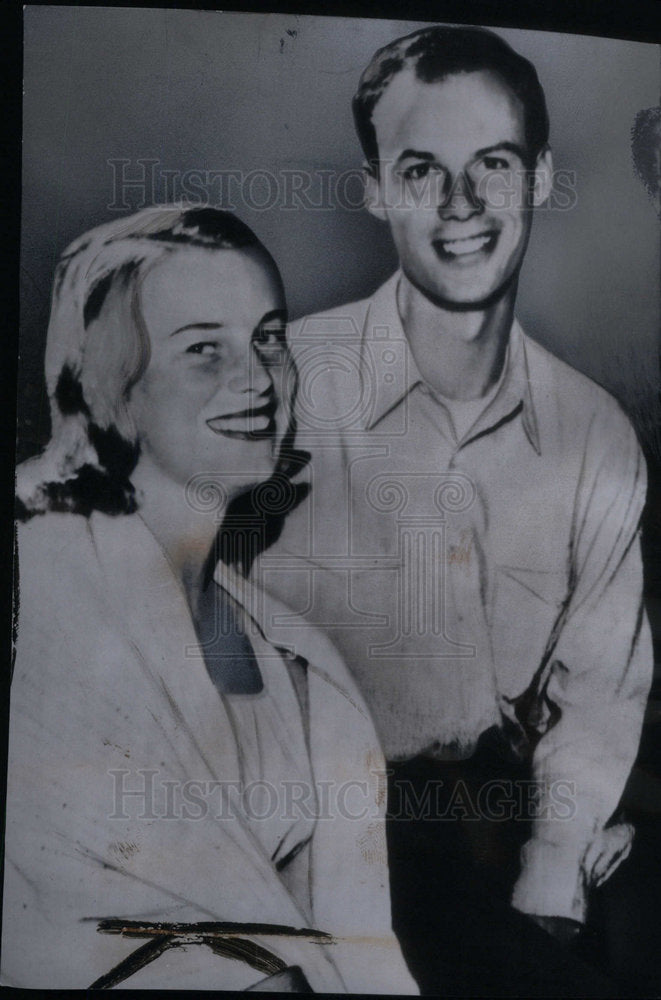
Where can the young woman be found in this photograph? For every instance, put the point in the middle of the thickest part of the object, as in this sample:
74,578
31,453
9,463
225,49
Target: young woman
189,804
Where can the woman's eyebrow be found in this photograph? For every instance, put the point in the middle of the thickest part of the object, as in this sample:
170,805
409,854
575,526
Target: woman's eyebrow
197,326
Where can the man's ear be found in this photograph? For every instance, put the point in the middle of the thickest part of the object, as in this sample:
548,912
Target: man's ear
543,180
373,194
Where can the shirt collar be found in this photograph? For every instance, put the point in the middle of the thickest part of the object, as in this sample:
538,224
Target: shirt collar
386,358
388,362
516,387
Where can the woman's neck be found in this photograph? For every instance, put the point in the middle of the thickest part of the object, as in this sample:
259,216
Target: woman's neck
186,535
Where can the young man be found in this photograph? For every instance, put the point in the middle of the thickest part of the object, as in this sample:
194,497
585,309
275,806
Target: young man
471,537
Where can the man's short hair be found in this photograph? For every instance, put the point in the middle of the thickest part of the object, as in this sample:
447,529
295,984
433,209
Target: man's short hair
437,52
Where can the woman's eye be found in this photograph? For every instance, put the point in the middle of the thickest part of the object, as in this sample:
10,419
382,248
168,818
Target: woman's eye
205,348
416,172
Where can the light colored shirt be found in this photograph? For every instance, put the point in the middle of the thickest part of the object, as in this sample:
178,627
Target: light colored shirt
481,578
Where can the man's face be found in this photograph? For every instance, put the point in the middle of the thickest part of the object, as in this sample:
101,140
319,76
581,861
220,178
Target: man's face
453,183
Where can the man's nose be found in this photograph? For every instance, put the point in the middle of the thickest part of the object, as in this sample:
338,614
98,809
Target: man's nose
460,200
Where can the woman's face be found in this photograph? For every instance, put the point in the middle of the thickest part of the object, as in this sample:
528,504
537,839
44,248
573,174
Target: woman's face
211,399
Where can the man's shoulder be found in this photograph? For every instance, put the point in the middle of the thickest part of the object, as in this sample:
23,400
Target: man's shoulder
347,319
571,399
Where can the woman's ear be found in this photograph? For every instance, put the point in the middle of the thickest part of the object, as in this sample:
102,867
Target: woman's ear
373,193
543,179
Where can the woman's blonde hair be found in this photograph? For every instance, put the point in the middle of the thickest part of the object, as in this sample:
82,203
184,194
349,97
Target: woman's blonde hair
97,348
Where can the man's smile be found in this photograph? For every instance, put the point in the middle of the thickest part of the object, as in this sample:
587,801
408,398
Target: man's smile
465,246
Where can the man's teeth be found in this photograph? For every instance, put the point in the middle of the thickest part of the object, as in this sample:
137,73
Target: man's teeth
469,245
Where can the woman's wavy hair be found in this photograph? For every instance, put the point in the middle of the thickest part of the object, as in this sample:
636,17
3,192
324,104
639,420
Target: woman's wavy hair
97,348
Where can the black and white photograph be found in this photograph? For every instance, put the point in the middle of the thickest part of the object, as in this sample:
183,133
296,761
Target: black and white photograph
337,576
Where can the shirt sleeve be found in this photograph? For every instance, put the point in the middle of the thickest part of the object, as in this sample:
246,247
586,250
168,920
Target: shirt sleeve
600,672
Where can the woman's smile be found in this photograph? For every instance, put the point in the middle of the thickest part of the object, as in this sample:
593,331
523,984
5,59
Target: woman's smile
256,423
210,399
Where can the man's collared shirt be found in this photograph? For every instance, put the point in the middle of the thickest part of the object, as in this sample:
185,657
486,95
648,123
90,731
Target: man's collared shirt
489,579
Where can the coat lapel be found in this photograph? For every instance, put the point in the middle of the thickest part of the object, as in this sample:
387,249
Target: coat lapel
154,609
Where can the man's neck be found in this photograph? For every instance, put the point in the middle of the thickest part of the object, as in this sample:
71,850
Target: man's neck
460,354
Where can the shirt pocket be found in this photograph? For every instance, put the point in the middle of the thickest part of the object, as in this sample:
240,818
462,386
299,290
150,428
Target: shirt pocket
525,607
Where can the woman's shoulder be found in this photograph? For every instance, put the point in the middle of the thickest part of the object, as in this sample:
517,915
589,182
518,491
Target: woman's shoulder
60,548
57,529
50,533
54,557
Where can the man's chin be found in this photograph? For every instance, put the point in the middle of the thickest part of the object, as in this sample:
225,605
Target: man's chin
467,298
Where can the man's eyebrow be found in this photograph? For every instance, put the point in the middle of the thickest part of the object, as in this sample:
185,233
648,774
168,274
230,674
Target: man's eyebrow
279,314
510,147
415,154
197,326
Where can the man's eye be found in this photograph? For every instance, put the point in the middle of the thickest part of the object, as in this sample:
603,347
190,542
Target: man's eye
205,348
270,337
270,345
416,171
495,163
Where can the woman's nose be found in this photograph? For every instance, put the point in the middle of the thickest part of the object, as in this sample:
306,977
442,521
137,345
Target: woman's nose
249,375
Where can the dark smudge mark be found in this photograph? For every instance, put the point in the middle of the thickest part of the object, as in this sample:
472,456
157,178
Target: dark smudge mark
137,960
646,152
207,928
293,33
223,938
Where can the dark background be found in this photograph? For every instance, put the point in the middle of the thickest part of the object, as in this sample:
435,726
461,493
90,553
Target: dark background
203,90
